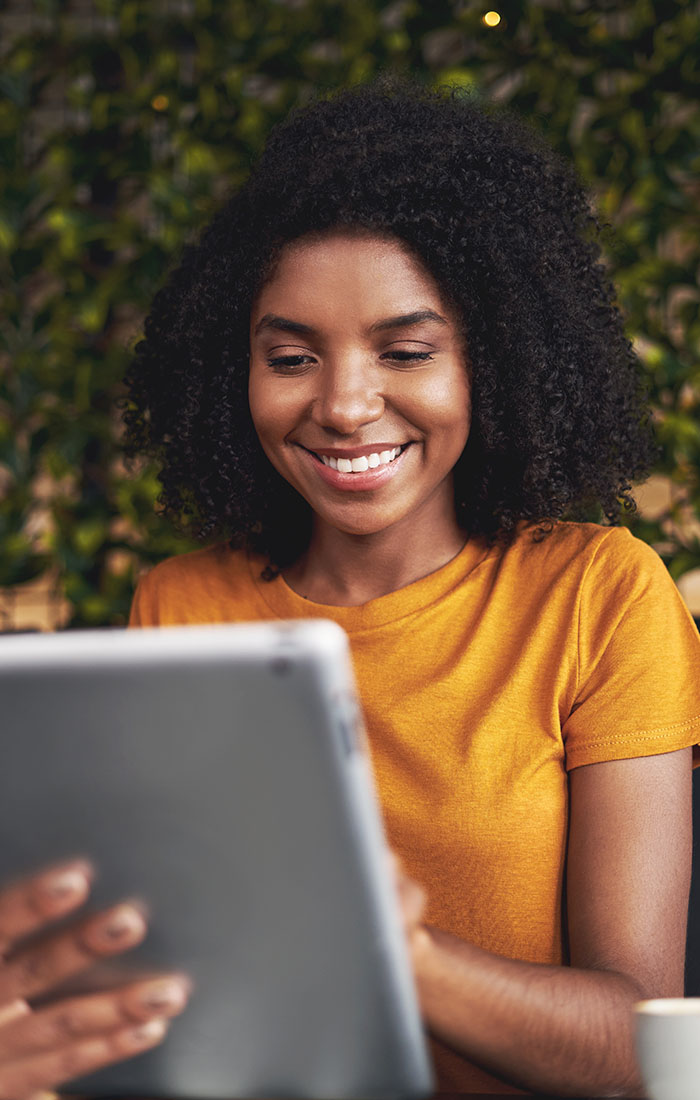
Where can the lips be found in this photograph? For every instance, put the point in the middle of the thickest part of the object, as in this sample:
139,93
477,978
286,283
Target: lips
357,469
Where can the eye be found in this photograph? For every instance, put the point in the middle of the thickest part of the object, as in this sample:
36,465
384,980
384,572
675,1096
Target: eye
289,364
398,356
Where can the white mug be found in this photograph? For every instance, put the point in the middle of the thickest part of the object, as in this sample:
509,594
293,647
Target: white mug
668,1047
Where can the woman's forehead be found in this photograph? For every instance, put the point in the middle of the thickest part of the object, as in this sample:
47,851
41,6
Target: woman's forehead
367,275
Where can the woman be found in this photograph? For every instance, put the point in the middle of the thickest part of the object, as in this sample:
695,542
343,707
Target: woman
387,371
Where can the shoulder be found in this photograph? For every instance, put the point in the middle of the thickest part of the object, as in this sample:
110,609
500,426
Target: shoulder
624,596
585,569
196,563
192,587
638,656
619,562
612,551
197,567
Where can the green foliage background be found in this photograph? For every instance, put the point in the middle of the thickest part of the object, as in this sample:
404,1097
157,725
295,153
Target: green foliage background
122,126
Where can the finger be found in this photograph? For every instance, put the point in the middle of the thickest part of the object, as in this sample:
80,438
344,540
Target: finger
39,967
77,1018
28,905
412,897
395,864
23,1078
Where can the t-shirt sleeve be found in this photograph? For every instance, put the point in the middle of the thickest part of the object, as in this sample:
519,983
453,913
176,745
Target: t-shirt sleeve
638,685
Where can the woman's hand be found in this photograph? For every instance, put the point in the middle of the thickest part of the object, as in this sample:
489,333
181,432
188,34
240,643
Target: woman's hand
412,901
43,1046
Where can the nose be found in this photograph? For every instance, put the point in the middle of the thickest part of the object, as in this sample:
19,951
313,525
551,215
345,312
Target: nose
348,396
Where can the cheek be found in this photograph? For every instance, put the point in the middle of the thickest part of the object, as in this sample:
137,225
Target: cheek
462,409
275,411
253,397
266,410
446,405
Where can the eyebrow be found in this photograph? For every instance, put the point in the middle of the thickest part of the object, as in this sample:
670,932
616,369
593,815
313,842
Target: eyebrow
405,320
402,320
281,324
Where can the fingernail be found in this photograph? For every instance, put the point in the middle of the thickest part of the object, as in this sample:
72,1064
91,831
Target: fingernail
166,993
124,921
67,882
13,1010
149,1032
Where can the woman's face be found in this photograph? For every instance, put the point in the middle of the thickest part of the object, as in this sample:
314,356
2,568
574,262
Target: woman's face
359,389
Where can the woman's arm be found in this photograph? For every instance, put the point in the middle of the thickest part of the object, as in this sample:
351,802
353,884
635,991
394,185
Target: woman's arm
569,1030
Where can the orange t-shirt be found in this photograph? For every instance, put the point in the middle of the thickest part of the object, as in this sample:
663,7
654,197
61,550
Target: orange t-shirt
481,685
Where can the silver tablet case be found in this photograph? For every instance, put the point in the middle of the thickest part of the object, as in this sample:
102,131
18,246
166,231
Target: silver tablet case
221,774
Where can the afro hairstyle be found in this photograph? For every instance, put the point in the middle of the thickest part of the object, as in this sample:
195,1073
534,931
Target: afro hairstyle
560,426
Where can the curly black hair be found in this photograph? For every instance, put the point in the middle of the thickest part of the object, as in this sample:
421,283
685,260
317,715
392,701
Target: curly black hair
560,424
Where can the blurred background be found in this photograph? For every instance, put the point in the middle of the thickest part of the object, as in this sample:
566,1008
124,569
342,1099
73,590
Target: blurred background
123,125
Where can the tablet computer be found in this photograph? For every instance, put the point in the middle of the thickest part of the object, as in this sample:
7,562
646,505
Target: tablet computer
221,774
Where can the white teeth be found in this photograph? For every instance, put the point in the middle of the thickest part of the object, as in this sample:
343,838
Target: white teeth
362,463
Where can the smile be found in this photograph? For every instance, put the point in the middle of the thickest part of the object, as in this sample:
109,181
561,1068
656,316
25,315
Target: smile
362,462
358,472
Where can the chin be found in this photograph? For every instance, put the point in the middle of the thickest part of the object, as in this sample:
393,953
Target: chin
360,525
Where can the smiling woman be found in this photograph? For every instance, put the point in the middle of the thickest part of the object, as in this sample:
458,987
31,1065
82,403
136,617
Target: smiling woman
388,384
505,236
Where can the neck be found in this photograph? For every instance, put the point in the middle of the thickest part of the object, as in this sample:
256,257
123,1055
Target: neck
346,570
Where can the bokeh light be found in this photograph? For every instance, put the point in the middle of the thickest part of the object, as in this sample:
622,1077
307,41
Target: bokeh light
492,18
